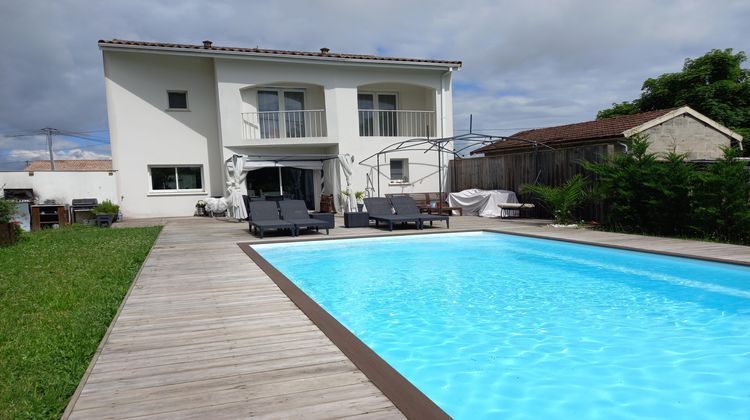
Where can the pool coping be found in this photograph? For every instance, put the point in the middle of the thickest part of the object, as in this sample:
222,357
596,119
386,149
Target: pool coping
404,395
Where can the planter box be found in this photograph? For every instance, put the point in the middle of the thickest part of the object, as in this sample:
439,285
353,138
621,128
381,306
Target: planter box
7,234
105,220
356,219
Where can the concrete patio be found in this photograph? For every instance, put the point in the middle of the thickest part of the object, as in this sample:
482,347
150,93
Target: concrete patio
205,333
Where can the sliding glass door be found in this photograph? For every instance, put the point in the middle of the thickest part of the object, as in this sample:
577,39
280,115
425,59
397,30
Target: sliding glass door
281,112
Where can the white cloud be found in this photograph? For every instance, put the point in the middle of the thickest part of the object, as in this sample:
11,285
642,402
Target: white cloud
43,154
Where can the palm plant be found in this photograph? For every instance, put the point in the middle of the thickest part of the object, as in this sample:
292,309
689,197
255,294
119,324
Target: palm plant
561,201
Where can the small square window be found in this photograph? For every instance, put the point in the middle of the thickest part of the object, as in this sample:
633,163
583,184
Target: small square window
399,170
177,100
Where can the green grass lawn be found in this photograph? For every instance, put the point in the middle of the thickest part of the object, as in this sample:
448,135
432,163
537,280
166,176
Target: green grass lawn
59,290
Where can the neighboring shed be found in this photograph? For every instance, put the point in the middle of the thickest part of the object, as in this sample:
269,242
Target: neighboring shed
70,165
682,130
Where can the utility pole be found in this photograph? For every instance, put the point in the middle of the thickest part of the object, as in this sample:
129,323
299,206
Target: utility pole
48,131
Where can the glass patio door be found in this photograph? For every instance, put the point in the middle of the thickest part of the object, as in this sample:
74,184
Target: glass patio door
268,114
272,104
377,114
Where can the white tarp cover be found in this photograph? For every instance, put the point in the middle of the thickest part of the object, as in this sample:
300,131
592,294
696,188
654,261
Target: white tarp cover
347,164
483,202
235,178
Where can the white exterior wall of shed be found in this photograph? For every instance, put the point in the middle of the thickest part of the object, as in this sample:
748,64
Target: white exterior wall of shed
219,90
63,186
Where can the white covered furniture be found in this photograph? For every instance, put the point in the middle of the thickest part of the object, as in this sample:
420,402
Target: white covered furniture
484,203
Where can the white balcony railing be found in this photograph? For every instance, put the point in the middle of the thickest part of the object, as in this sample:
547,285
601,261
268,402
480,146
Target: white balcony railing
396,123
284,124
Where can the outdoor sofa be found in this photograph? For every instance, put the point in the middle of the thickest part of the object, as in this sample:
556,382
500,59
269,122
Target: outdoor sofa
406,206
265,215
380,210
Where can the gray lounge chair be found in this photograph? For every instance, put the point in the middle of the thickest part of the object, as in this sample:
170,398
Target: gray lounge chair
379,209
265,215
406,206
295,212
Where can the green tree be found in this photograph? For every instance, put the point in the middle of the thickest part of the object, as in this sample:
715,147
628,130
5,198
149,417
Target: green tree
714,84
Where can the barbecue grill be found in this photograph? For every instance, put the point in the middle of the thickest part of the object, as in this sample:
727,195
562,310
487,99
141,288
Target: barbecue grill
81,205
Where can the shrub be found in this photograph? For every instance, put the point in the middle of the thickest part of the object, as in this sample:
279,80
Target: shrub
561,201
722,200
7,210
106,207
674,197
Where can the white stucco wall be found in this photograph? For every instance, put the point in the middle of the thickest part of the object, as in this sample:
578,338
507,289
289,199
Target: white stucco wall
418,89
63,187
144,133
219,90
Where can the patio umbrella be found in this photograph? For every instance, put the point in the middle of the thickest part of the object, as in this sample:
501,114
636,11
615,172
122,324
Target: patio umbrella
347,164
235,178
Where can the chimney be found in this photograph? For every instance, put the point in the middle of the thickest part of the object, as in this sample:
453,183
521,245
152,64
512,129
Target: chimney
207,44
324,51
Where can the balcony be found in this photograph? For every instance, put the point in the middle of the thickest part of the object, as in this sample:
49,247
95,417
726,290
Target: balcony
284,124
396,123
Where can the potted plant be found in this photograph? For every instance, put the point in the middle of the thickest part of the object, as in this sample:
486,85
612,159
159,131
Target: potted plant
200,208
360,195
8,229
561,201
106,212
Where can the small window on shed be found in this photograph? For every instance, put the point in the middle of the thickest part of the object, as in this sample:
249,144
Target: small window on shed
177,99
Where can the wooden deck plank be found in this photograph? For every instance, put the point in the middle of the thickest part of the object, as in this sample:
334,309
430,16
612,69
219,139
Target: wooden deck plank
205,333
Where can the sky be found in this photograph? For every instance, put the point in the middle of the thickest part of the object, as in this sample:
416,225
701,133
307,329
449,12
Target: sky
526,64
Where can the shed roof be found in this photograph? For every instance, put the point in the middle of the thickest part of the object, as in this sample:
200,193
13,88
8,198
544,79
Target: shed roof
71,165
589,130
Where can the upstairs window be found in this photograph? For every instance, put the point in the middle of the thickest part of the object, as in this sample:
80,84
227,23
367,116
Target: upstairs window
399,170
177,99
176,178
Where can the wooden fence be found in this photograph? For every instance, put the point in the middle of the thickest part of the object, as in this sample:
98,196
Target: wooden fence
509,172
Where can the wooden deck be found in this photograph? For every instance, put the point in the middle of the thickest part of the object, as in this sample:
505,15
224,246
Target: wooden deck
204,333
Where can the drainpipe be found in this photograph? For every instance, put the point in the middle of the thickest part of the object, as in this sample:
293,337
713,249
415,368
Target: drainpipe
625,145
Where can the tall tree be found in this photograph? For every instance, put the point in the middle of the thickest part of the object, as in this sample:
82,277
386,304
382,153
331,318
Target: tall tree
714,84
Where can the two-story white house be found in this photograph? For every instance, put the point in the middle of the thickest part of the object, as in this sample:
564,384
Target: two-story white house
178,113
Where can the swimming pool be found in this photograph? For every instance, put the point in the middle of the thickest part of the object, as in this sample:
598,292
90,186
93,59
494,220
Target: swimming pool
493,325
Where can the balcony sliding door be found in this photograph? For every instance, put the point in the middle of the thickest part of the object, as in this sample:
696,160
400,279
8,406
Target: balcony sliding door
294,115
387,117
377,114
268,114
272,104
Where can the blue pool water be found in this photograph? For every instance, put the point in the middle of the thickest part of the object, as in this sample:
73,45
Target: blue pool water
490,325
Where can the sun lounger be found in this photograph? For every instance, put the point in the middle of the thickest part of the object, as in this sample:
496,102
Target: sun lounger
295,212
406,206
379,210
265,215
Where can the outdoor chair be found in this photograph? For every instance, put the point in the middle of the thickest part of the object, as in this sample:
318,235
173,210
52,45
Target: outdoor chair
265,215
406,206
295,212
379,209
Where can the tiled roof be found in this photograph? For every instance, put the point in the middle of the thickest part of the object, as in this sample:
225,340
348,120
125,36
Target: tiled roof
260,51
590,130
70,165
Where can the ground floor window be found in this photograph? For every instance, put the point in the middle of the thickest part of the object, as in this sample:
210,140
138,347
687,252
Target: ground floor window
176,178
399,170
